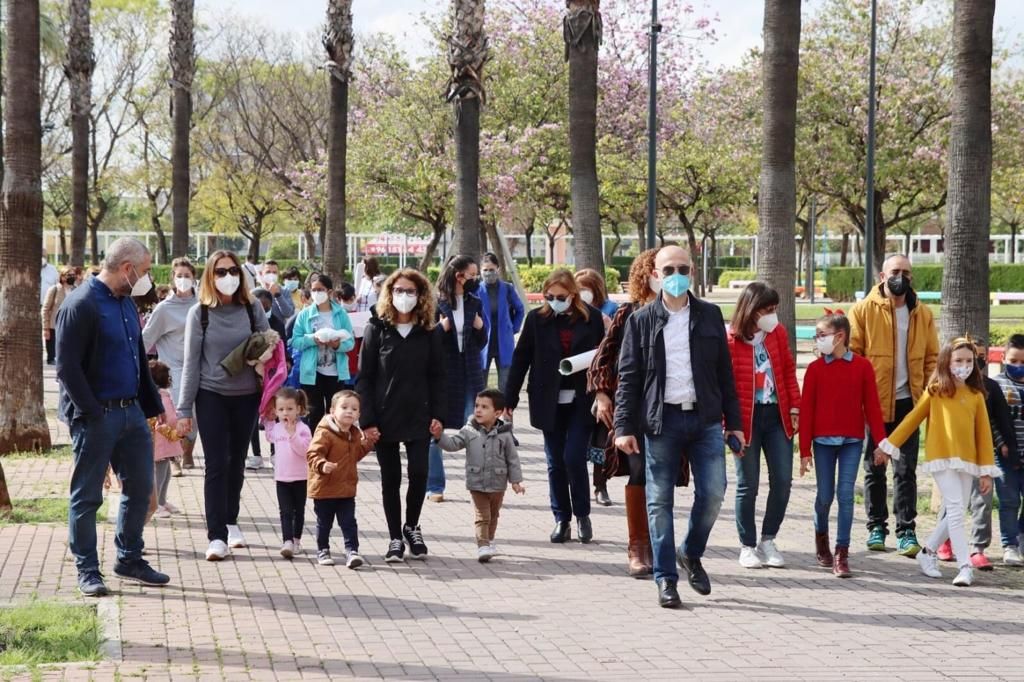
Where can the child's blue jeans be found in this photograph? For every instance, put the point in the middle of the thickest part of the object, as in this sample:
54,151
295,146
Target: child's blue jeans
828,460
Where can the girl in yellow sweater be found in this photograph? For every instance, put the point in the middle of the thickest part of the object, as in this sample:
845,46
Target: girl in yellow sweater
958,448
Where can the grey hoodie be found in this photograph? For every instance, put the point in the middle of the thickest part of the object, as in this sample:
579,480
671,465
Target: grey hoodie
492,461
165,331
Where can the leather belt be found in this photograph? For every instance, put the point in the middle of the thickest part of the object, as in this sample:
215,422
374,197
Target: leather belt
683,407
118,403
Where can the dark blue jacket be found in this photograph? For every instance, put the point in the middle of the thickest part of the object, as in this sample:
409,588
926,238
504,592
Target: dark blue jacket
510,320
79,361
465,370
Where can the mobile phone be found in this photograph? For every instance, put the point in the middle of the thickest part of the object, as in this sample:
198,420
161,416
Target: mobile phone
734,443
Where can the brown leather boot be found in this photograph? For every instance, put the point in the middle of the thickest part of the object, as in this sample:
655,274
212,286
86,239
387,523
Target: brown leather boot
821,550
187,446
639,536
841,566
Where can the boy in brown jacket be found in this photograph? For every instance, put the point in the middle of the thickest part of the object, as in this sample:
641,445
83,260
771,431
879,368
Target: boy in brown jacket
337,446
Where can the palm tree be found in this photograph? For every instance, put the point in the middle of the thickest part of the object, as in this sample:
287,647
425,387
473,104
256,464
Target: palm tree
467,53
338,41
965,302
581,29
78,65
776,200
22,415
183,69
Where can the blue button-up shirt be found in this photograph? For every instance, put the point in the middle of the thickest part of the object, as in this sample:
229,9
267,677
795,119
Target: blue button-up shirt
118,337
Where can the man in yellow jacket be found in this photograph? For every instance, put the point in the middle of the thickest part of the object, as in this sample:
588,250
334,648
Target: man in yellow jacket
896,333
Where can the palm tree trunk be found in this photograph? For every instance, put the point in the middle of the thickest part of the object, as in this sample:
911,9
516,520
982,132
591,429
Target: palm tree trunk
965,298
581,29
776,204
183,68
79,66
337,40
22,415
467,54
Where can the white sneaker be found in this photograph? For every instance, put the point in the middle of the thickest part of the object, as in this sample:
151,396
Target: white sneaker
749,558
1012,557
297,547
162,513
253,463
494,550
235,537
353,560
217,551
965,577
484,554
770,555
929,563
288,549
171,508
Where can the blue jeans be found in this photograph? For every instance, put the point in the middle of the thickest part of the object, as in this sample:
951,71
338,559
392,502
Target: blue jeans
827,458
703,442
1010,489
568,471
769,435
502,373
120,438
435,472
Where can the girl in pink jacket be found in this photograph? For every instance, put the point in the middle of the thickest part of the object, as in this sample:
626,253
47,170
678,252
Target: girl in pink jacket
165,441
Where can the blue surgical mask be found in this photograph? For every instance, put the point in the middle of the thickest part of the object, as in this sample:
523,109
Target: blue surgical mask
291,284
560,306
676,284
1015,372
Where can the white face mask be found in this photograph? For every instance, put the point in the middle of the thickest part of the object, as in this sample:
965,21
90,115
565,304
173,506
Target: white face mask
45,262
587,296
228,284
825,344
270,278
319,297
655,284
351,307
404,303
183,284
768,323
142,285
961,372
560,306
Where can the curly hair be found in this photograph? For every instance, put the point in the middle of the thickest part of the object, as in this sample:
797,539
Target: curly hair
640,277
423,313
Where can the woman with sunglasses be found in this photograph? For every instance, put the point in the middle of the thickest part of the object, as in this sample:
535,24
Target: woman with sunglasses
562,327
402,390
223,405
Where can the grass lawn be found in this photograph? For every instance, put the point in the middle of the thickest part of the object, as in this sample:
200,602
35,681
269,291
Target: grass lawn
43,510
48,632
59,452
812,311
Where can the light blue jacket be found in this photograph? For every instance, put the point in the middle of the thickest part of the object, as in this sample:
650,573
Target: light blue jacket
303,341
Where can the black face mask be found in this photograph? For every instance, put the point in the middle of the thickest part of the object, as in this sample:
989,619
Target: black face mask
898,285
69,280
470,285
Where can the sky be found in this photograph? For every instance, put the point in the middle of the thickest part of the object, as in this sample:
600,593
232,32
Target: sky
739,25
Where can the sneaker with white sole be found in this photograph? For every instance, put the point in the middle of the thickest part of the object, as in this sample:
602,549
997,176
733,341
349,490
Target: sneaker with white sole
253,463
288,549
323,557
929,563
217,551
1012,557
396,552
484,554
494,550
414,536
353,560
235,537
162,513
965,577
749,558
770,554
171,508
297,547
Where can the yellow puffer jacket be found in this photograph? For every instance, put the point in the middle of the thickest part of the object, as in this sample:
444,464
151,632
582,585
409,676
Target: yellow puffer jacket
873,335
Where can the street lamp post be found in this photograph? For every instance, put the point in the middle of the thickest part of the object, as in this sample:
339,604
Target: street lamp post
869,218
652,130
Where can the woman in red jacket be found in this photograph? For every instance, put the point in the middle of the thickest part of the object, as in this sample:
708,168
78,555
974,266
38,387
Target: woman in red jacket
765,375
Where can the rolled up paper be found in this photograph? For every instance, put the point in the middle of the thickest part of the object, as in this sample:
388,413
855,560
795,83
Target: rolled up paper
576,363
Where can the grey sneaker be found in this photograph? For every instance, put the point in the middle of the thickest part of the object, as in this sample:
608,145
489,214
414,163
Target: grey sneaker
323,557
90,584
353,560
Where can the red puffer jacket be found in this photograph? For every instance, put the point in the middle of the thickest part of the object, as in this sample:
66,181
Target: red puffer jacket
783,369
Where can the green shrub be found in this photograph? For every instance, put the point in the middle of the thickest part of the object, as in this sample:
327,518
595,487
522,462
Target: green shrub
843,282
533,278
999,333
284,248
726,278
733,263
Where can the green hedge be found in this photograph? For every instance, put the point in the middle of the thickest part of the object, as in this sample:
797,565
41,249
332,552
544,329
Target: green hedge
733,263
726,278
999,333
533,278
842,283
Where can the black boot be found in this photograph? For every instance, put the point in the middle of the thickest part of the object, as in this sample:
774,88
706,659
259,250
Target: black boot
584,530
668,595
562,532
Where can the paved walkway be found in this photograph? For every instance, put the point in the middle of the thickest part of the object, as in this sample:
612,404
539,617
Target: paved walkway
540,611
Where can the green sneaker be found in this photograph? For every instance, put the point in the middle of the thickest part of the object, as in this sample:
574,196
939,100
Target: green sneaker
906,544
876,539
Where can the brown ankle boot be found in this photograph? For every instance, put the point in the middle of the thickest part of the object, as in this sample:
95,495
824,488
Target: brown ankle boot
822,551
639,536
841,566
187,445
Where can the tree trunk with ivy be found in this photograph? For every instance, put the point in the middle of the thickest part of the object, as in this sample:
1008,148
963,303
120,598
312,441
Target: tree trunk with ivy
183,69
338,42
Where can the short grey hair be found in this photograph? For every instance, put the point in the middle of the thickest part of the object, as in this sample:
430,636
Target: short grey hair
124,250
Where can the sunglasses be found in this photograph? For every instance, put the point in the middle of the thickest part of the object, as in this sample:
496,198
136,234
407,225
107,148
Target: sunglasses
551,297
406,292
234,271
670,270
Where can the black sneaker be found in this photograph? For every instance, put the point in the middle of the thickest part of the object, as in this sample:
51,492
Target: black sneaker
396,552
141,572
90,584
414,536
323,557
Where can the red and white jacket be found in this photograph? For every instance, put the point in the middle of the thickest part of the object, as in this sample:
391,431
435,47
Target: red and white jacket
783,369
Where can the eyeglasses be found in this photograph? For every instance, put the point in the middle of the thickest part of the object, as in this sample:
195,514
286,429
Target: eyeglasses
234,271
551,297
670,270
404,291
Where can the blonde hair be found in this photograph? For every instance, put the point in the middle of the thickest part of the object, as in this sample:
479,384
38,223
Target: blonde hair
564,278
423,313
208,294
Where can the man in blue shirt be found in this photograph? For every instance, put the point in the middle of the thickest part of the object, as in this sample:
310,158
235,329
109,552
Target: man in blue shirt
106,395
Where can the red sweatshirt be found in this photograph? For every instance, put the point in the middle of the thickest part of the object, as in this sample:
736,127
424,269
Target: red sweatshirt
838,399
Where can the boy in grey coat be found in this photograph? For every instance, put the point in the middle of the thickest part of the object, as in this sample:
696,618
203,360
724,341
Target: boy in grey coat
492,462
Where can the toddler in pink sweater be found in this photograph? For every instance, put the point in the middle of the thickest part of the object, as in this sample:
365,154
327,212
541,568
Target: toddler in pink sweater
165,442
290,437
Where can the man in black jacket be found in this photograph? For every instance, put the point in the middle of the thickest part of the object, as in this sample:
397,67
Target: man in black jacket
106,395
675,389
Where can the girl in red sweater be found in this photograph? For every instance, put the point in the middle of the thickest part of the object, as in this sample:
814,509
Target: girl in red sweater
765,374
840,396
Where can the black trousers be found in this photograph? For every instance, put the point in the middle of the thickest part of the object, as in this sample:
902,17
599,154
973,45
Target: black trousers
256,441
390,461
904,473
225,424
51,346
344,510
291,500
319,396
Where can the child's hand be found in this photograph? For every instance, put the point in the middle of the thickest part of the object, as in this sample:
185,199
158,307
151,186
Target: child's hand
290,426
985,485
805,465
880,457
1005,451
519,488
435,429
329,467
